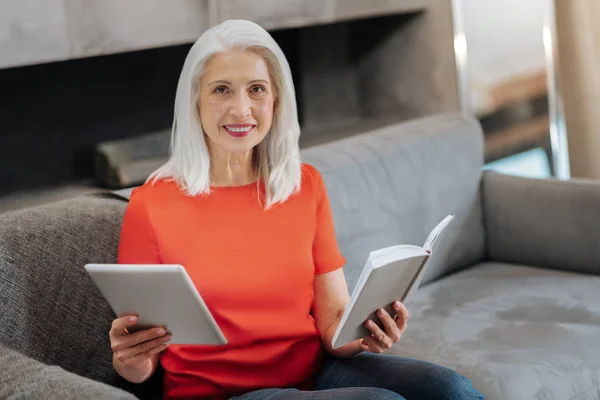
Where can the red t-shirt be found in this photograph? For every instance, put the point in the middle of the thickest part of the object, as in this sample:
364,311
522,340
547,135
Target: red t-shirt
254,269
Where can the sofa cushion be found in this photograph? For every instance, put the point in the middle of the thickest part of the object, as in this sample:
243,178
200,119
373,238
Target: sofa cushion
24,378
49,308
393,185
517,332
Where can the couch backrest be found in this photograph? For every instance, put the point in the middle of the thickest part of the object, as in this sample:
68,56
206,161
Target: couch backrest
393,185
50,310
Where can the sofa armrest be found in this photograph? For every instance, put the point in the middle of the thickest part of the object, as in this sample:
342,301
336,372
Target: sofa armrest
548,223
24,378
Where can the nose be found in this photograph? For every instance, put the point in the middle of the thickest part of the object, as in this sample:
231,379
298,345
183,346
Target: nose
241,105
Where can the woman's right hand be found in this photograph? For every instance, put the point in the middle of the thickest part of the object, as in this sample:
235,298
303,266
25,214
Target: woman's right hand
136,354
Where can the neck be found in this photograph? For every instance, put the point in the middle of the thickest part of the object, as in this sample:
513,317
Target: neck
232,169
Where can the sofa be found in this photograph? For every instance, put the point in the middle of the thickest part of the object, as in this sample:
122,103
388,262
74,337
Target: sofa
511,297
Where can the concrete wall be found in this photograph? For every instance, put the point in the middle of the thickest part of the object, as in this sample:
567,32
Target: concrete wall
34,31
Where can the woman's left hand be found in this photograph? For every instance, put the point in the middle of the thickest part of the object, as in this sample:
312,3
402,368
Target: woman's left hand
381,340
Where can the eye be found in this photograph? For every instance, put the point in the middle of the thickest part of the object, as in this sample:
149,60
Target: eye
258,89
221,90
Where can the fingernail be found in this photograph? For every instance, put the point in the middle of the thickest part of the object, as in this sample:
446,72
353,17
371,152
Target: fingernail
167,338
160,332
132,319
397,303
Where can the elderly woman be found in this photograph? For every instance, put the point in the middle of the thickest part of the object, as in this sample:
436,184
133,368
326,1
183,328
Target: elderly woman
253,227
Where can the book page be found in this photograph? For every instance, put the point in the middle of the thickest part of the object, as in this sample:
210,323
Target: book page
392,249
435,233
403,252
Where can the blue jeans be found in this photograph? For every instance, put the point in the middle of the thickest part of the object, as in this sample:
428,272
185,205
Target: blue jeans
378,377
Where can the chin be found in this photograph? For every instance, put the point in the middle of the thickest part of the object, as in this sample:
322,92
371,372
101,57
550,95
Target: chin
241,147
245,143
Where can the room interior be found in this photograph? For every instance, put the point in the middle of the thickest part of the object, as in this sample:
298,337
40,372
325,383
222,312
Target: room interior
411,110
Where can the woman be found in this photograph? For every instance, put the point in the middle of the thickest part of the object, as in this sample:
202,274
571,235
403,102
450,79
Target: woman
253,227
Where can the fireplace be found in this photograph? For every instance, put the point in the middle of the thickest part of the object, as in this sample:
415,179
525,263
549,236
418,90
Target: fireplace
104,120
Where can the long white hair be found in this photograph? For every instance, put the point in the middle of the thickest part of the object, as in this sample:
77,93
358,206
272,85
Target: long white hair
276,158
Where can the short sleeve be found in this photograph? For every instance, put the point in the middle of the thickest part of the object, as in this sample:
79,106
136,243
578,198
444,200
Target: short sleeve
137,244
326,253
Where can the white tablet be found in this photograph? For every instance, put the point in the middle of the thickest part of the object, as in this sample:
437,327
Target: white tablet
161,295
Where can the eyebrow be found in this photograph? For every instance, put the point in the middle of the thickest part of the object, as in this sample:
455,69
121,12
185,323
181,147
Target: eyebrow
222,82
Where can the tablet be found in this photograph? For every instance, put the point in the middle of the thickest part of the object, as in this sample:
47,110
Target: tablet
161,295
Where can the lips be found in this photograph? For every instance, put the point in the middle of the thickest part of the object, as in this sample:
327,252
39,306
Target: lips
239,130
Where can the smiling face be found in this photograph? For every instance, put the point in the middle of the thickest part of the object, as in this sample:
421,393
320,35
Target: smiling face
236,101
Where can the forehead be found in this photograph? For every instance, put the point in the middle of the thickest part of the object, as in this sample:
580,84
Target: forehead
236,65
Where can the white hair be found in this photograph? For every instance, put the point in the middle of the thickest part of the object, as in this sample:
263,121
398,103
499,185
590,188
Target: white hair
276,158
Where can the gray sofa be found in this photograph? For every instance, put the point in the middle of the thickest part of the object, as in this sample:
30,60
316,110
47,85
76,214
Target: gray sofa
511,298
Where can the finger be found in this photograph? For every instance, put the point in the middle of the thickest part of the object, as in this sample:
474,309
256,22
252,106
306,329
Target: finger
401,311
156,350
401,316
143,358
120,324
132,340
379,335
372,345
389,325
141,348
364,345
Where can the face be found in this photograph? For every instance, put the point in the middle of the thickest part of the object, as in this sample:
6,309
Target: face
236,101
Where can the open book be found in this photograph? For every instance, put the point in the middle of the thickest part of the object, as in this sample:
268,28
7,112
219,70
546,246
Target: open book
392,273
